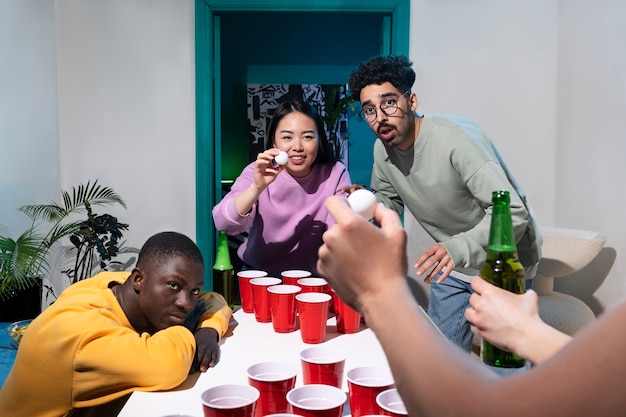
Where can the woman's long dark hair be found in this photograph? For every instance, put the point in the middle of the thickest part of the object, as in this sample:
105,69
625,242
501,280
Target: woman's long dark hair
325,153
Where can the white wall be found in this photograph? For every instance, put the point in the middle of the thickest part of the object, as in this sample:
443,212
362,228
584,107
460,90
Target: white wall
127,107
591,138
494,62
28,113
545,78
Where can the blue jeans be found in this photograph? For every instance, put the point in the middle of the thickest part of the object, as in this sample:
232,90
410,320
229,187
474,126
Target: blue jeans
446,308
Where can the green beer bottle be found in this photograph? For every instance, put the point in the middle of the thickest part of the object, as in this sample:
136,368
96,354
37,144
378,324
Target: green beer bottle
503,269
223,270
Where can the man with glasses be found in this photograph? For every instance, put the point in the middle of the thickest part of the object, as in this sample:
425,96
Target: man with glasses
443,169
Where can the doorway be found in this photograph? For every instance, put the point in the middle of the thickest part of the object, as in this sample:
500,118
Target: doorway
257,42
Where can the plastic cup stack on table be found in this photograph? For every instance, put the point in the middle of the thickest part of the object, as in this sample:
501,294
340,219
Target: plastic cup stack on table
313,284
364,385
245,290
348,320
291,276
261,298
283,415
230,401
283,307
323,365
313,311
317,400
273,380
391,404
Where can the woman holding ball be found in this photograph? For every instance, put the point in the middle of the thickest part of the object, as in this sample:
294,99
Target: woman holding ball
282,206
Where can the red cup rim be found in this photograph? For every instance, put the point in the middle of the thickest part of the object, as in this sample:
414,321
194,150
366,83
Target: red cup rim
395,396
313,297
253,395
337,395
284,289
286,369
340,354
296,273
313,282
252,273
265,281
386,374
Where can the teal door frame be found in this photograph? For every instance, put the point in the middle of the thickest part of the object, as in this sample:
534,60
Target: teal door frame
208,164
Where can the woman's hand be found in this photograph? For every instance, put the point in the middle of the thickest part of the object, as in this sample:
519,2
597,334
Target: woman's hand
265,171
264,175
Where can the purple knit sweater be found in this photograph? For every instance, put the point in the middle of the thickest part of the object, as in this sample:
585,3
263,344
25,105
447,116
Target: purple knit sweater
286,224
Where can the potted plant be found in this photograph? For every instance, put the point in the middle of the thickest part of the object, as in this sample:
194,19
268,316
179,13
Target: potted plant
337,104
95,241
24,261
21,263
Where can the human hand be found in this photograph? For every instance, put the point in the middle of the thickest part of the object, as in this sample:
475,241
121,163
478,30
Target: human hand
207,349
502,317
192,318
437,258
352,188
265,171
359,259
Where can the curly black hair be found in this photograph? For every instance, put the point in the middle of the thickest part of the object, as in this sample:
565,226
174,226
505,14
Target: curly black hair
166,245
395,69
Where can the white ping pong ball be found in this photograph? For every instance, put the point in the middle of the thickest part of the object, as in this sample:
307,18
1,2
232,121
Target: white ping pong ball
363,202
282,158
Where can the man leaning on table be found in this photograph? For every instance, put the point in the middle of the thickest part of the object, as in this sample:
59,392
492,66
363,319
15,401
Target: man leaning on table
119,332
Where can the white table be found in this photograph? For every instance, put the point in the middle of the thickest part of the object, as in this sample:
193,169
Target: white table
253,342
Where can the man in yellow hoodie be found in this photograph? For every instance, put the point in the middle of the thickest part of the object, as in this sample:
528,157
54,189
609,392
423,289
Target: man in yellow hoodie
119,332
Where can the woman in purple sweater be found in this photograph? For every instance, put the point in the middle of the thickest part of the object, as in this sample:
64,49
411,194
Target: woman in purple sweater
282,207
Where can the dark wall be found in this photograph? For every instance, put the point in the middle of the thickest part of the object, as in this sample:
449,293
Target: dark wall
305,48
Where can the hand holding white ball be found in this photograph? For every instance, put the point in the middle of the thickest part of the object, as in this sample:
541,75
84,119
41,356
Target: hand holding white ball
282,158
363,202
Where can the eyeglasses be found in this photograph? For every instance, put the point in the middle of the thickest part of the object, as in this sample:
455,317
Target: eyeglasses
389,107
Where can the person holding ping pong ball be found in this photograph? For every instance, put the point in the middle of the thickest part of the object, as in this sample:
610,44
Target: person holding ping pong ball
442,169
282,205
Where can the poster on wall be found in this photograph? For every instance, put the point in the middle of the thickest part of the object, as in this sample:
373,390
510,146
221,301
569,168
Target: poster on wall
330,100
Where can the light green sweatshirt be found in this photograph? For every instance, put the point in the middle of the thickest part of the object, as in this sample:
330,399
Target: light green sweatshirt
446,180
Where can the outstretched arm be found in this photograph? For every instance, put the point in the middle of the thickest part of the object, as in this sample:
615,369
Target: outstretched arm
511,322
366,265
264,175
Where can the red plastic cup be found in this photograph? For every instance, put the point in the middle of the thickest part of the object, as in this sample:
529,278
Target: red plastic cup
273,380
323,365
313,284
391,404
317,400
364,384
283,415
229,401
348,320
245,290
291,276
313,311
261,298
283,307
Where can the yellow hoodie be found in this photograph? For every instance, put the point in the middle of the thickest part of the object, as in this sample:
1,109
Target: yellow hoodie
82,352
